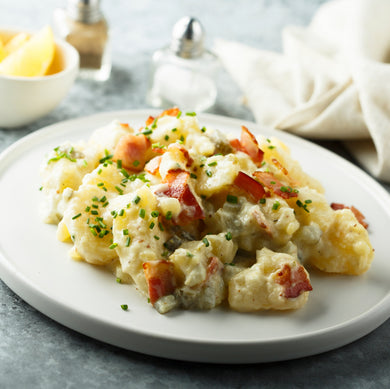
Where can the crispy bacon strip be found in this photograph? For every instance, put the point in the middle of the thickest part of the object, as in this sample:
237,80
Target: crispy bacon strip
359,216
179,188
168,112
250,186
295,281
280,166
213,266
271,182
132,151
174,147
248,144
160,278
153,165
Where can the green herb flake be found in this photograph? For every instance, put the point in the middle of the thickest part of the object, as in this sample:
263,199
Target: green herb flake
118,280
206,242
275,205
232,199
192,175
151,225
137,199
142,213
178,115
76,216
156,237
190,113
190,255
228,236
209,173
214,163
112,246
125,307
128,240
168,215
155,213
136,163
203,129
262,201
166,137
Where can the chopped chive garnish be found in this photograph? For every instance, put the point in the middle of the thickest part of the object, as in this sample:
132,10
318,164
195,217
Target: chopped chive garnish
154,213
160,226
151,225
168,215
174,129
100,184
192,175
118,280
212,163
272,182
112,246
94,212
125,231
262,201
209,173
156,237
275,205
166,137
203,129
228,236
128,240
125,307
142,213
76,216
136,162
120,190
190,255
178,115
121,212
147,131
87,209
137,199
232,199
308,201
271,147
206,242
190,113
95,206
154,124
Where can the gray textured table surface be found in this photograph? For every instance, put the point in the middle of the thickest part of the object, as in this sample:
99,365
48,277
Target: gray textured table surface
36,352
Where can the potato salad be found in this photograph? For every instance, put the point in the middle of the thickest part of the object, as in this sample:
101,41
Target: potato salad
195,219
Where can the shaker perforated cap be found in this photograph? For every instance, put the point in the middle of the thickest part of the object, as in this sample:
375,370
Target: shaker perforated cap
187,38
84,11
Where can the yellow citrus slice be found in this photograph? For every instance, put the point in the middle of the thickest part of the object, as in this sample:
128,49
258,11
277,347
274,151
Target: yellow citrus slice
3,53
16,42
33,58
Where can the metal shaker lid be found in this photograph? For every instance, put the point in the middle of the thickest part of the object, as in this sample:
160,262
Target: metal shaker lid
187,38
84,11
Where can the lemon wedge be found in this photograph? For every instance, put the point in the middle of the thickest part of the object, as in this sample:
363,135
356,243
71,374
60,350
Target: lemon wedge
31,57
16,42
3,53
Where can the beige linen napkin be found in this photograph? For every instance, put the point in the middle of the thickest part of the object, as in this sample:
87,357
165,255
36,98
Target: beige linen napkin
331,81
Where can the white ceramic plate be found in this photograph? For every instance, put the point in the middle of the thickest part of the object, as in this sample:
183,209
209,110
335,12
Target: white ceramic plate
37,267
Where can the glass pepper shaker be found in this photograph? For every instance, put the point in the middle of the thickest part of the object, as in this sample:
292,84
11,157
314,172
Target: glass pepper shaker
82,24
183,73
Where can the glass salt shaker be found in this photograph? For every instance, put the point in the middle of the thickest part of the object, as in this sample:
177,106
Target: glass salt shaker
82,24
183,73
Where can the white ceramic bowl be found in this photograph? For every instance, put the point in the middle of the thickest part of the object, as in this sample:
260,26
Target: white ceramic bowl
26,99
